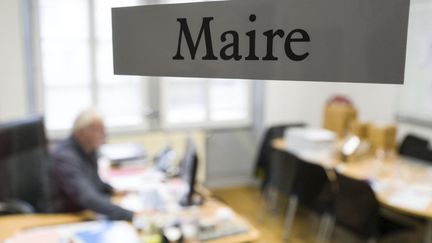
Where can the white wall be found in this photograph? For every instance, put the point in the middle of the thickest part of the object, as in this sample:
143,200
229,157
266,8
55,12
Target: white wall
12,74
290,101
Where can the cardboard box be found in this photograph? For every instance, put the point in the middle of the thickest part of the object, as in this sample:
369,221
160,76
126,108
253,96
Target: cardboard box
338,118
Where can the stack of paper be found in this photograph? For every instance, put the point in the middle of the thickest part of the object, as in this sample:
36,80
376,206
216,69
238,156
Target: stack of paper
411,199
310,140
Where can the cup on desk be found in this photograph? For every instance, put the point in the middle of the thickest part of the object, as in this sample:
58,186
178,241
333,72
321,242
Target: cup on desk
172,234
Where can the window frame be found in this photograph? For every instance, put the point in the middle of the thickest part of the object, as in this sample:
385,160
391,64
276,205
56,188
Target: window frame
206,124
156,88
93,85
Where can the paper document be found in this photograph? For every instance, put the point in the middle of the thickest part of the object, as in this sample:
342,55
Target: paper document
411,199
123,151
95,231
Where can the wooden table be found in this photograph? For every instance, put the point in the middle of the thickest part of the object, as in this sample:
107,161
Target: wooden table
393,175
14,224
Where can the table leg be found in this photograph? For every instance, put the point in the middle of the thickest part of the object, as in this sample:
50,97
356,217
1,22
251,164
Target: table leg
428,232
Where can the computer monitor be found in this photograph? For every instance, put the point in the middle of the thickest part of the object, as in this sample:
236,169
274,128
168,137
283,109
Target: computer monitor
189,168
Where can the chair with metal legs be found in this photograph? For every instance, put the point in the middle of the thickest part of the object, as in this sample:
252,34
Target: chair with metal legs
273,170
355,208
308,184
282,170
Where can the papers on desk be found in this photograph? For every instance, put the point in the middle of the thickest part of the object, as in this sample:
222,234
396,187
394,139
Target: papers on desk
310,143
126,183
415,197
118,153
379,186
150,190
94,232
134,179
156,196
132,202
411,199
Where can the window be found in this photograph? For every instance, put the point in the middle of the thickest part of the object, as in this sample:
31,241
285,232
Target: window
76,71
206,102
76,55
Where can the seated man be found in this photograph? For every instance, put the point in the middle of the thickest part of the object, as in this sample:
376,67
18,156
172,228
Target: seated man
75,170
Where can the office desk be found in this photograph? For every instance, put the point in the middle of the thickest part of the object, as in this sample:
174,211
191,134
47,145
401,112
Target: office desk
10,225
401,184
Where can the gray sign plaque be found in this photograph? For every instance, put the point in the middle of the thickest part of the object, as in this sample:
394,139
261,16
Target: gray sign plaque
311,40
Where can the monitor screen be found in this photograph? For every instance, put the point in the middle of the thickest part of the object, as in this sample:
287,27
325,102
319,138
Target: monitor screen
189,167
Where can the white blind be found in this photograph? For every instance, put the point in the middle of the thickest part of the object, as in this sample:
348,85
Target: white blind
206,102
76,59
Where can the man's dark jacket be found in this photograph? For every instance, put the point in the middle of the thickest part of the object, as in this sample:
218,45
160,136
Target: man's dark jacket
77,183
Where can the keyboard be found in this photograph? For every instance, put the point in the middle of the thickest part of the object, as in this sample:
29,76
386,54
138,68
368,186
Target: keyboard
220,231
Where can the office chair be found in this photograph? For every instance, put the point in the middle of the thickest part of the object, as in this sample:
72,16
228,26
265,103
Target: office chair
264,157
416,147
15,207
353,205
307,187
23,161
272,167
282,169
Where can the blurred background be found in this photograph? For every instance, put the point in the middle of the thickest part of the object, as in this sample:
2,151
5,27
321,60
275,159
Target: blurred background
56,59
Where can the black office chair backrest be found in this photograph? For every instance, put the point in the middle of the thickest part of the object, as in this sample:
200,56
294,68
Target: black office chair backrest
416,147
309,182
6,152
265,153
282,171
355,206
23,162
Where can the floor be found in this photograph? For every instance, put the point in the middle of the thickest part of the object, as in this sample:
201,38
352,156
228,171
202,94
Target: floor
247,202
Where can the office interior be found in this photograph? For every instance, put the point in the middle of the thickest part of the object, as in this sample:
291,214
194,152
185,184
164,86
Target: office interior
56,60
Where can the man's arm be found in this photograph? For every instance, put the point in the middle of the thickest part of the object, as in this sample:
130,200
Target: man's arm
107,188
77,186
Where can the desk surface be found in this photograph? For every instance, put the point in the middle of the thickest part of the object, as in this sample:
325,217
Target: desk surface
11,225
401,184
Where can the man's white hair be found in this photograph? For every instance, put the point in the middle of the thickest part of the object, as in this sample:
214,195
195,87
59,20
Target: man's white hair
86,118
